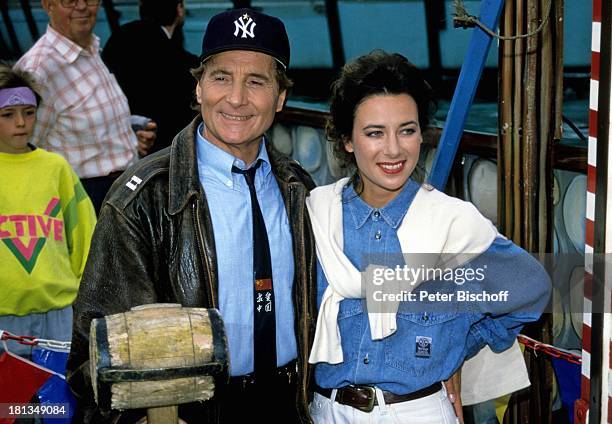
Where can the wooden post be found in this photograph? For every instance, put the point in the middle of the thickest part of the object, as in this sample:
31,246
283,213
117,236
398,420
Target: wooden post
530,102
506,125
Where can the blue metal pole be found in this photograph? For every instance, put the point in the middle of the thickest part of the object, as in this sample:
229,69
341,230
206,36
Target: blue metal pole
471,71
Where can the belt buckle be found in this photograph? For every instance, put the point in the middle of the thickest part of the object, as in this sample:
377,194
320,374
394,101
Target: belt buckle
371,398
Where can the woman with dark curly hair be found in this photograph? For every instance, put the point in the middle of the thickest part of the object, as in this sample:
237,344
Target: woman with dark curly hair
411,282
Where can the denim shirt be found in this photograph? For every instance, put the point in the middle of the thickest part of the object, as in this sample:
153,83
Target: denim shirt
455,332
229,202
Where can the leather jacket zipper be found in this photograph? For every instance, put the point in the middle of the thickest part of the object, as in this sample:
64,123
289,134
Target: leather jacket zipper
200,242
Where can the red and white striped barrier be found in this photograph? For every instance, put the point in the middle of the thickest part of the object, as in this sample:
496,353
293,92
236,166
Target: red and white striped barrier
596,360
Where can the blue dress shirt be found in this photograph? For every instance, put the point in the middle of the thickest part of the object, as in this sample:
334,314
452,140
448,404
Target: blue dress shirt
229,202
454,332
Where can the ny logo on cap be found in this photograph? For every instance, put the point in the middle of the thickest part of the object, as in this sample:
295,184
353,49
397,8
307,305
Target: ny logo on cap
247,25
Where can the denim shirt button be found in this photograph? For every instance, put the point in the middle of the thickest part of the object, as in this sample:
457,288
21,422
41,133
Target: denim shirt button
366,360
425,317
376,215
378,235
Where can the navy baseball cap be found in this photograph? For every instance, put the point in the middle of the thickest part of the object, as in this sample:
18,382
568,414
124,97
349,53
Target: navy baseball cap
246,29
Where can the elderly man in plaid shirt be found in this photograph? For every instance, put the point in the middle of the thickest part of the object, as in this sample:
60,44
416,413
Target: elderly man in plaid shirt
84,115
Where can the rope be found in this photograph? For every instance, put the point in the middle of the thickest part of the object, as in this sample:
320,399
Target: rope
555,352
33,341
464,20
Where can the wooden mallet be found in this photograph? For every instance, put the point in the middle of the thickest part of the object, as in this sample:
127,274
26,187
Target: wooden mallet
157,357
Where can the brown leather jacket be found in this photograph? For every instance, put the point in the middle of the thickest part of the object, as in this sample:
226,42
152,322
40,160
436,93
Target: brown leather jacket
155,243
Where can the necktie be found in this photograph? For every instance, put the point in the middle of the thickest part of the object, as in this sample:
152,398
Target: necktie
264,326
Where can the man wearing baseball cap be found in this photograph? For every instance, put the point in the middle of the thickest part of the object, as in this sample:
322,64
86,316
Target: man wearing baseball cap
217,220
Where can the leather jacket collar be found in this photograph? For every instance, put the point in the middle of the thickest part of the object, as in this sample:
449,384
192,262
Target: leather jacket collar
183,173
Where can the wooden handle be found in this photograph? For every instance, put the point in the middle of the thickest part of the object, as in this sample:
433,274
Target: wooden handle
163,415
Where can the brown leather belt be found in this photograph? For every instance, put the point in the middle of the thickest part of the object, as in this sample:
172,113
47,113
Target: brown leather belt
364,397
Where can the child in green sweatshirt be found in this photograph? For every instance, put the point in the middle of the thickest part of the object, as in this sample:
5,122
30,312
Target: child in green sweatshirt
46,222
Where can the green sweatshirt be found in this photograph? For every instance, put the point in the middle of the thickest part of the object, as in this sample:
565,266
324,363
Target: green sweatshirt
46,223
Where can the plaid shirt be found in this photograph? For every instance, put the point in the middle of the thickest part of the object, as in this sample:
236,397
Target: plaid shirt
84,115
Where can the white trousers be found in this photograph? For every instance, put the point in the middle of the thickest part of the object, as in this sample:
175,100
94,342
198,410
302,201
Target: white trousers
432,409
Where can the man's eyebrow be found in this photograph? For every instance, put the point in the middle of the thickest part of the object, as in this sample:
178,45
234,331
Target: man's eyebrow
260,76
221,71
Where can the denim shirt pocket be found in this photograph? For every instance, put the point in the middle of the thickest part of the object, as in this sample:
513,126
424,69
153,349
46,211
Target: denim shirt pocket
350,323
423,342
